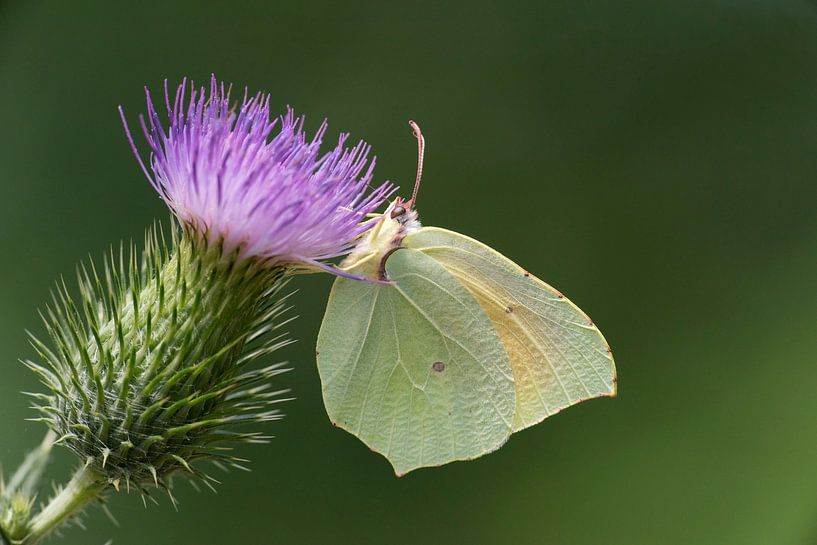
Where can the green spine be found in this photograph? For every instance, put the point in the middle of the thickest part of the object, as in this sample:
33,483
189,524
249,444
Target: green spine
148,368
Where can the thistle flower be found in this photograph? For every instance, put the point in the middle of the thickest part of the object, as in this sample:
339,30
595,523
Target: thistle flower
254,183
148,370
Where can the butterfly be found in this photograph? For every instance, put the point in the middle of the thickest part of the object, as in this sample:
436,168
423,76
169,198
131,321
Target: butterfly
450,347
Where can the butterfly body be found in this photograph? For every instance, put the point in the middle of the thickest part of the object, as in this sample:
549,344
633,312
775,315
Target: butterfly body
380,241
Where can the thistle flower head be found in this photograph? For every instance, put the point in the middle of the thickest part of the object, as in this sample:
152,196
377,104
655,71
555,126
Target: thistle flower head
256,183
148,370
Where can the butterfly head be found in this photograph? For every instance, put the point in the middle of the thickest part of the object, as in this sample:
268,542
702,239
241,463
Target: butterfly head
398,211
387,234
401,212
390,228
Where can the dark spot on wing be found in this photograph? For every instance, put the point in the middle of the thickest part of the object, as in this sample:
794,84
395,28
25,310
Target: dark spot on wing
509,309
527,274
438,366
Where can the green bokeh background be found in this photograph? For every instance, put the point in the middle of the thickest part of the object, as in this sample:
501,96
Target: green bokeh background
655,160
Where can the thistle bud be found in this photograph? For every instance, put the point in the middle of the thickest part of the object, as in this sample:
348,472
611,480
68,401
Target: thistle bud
15,511
147,368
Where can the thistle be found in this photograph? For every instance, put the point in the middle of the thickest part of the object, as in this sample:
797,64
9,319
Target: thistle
150,364
272,198
149,369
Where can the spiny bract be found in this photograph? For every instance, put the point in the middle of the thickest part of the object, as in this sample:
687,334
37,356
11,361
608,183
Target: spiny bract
148,367
15,511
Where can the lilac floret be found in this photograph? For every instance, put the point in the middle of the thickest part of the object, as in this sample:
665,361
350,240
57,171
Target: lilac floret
255,183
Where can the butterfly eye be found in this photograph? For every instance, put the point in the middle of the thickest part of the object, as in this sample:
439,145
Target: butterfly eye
397,212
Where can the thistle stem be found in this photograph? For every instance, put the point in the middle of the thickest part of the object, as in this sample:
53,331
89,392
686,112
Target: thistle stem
85,486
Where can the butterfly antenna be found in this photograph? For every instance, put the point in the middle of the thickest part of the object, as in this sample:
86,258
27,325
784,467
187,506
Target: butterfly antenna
421,149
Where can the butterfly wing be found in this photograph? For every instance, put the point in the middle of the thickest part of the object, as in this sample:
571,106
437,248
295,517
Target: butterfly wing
415,370
558,355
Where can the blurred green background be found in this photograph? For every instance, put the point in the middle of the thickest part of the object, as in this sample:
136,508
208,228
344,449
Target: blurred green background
655,160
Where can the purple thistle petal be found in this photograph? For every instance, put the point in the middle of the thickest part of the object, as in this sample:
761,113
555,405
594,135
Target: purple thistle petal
255,183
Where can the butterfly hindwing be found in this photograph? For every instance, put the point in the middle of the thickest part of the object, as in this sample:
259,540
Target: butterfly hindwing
416,369
558,356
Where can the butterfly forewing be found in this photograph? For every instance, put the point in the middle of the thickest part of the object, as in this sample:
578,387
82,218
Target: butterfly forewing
416,370
558,356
